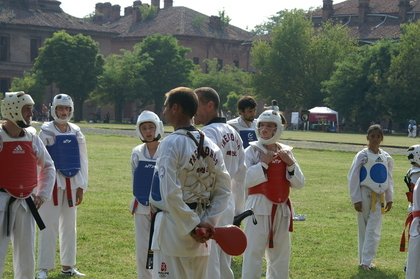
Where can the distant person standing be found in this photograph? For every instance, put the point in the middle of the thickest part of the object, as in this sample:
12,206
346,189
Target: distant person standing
371,188
274,106
149,130
412,129
67,146
245,123
26,181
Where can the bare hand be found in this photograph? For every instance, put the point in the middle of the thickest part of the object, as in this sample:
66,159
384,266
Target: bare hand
79,196
267,157
38,201
203,232
388,206
285,156
358,206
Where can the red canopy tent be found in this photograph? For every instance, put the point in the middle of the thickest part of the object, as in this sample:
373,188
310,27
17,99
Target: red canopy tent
324,116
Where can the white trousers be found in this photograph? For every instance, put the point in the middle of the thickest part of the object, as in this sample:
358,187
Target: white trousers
169,267
60,221
413,261
22,235
278,257
219,262
142,225
369,224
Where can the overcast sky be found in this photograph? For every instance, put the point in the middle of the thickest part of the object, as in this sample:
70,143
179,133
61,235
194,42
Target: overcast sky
243,13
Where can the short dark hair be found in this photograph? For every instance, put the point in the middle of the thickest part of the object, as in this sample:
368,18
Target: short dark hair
185,98
375,127
246,102
207,94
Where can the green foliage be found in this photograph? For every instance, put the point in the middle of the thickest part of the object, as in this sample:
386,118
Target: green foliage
291,66
404,75
224,18
31,84
225,81
168,67
268,26
147,12
121,82
198,21
359,87
231,102
72,63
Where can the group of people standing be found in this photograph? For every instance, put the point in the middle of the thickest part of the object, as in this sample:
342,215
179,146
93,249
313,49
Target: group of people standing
188,181
42,180
203,179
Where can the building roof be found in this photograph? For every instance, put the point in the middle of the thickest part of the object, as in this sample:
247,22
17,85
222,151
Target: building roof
177,21
383,18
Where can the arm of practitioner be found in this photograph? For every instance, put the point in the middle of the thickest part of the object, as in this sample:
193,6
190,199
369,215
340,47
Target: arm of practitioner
353,178
389,193
294,173
46,171
83,167
256,165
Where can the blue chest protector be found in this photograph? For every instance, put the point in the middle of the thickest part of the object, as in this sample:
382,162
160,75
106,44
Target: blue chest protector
142,181
247,136
66,155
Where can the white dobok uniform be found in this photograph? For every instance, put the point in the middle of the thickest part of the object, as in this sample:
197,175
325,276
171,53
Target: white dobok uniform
60,219
370,182
140,158
413,261
246,132
188,189
229,141
278,256
413,174
21,221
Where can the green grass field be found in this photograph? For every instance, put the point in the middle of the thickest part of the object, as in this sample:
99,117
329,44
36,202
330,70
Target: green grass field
323,246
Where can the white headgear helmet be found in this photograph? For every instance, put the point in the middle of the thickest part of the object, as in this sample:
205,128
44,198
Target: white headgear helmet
11,107
413,154
62,100
149,116
271,116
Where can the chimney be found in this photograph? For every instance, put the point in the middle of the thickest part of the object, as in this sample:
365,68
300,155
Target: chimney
363,10
404,6
136,11
327,10
115,13
156,3
128,11
215,23
168,4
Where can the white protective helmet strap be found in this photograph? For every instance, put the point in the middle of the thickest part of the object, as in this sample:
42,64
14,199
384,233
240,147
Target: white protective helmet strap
11,107
149,116
62,100
271,116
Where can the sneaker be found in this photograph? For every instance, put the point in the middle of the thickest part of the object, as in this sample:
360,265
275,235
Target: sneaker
42,274
72,272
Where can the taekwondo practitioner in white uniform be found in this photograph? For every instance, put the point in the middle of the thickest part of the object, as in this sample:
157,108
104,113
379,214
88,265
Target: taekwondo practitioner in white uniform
149,128
67,146
26,181
411,178
413,260
271,171
190,188
371,187
245,123
229,141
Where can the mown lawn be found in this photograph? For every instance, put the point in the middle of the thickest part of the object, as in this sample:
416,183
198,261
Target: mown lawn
324,246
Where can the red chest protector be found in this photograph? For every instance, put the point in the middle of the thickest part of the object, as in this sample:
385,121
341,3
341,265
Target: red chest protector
277,187
18,166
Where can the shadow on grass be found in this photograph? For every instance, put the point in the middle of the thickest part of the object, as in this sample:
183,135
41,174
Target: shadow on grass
375,274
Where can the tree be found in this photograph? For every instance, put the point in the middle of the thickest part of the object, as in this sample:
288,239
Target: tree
72,63
120,82
168,67
225,81
31,84
297,58
405,76
359,85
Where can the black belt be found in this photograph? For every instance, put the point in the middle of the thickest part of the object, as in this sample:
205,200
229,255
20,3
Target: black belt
32,208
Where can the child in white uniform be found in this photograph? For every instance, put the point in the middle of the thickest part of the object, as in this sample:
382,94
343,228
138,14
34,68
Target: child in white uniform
149,129
371,191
